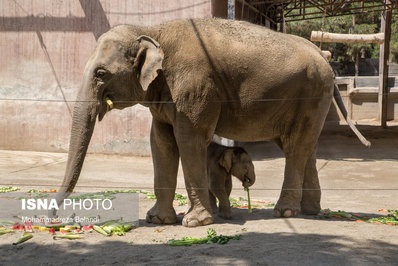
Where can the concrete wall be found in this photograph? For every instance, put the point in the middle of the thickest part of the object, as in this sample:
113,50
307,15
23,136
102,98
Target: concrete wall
44,46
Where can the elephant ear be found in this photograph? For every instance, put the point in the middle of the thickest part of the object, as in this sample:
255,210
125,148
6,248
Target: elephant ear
148,61
226,160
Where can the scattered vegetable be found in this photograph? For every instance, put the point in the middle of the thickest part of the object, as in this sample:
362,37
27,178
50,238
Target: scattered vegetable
243,203
117,228
25,237
70,236
28,229
181,199
5,231
6,222
390,219
100,230
8,189
18,226
64,229
211,238
88,228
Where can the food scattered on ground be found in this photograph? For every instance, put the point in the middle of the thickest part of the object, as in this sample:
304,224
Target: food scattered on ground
211,238
100,230
4,230
42,191
242,203
25,237
181,199
8,189
113,228
70,236
390,219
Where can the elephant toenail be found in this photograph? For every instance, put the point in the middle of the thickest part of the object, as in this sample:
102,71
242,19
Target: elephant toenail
287,213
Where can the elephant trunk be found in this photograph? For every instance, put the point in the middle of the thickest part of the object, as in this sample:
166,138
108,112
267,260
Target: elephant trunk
249,178
84,115
83,122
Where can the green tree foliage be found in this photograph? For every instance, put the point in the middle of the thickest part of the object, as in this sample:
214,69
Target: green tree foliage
365,23
394,39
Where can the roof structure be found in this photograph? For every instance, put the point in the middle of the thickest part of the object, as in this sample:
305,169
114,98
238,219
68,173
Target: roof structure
279,11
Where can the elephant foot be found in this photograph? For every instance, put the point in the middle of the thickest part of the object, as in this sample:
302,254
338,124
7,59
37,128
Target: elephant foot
311,202
285,210
159,215
196,217
285,213
310,207
225,213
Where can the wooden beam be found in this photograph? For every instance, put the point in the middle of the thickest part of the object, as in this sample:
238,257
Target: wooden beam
383,66
243,2
319,36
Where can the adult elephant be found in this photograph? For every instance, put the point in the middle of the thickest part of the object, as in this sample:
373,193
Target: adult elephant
203,77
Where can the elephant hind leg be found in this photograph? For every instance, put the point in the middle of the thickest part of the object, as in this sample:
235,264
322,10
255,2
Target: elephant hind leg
300,152
311,198
288,204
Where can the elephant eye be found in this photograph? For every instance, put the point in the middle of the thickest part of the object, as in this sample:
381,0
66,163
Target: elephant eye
100,73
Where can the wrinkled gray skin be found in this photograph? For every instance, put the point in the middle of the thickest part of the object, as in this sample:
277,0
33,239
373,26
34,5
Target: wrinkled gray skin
222,163
231,78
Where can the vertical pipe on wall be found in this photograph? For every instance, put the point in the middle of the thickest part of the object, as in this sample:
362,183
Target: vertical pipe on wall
231,9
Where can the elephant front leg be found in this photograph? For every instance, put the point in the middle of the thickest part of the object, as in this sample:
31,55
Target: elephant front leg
165,158
224,210
311,198
192,150
213,202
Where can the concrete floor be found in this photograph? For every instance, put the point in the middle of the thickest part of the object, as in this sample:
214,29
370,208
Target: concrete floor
353,178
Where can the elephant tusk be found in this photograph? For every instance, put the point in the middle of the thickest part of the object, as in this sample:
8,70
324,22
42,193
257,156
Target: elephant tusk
109,104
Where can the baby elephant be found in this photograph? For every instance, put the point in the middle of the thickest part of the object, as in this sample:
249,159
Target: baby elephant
222,162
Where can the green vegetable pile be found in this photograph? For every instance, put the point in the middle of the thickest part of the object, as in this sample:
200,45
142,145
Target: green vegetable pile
390,219
8,189
211,238
243,203
181,199
113,228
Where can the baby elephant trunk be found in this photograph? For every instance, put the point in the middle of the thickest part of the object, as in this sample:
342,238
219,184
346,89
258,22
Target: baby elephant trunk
249,178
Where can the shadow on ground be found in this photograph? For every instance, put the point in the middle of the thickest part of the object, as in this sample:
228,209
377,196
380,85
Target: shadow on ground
253,249
339,144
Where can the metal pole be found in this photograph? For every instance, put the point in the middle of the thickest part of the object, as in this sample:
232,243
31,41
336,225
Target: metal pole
383,66
231,9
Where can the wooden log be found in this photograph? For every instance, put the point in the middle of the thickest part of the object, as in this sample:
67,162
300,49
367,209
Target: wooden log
319,36
326,54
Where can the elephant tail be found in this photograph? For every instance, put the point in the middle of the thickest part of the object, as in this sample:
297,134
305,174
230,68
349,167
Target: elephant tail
343,110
